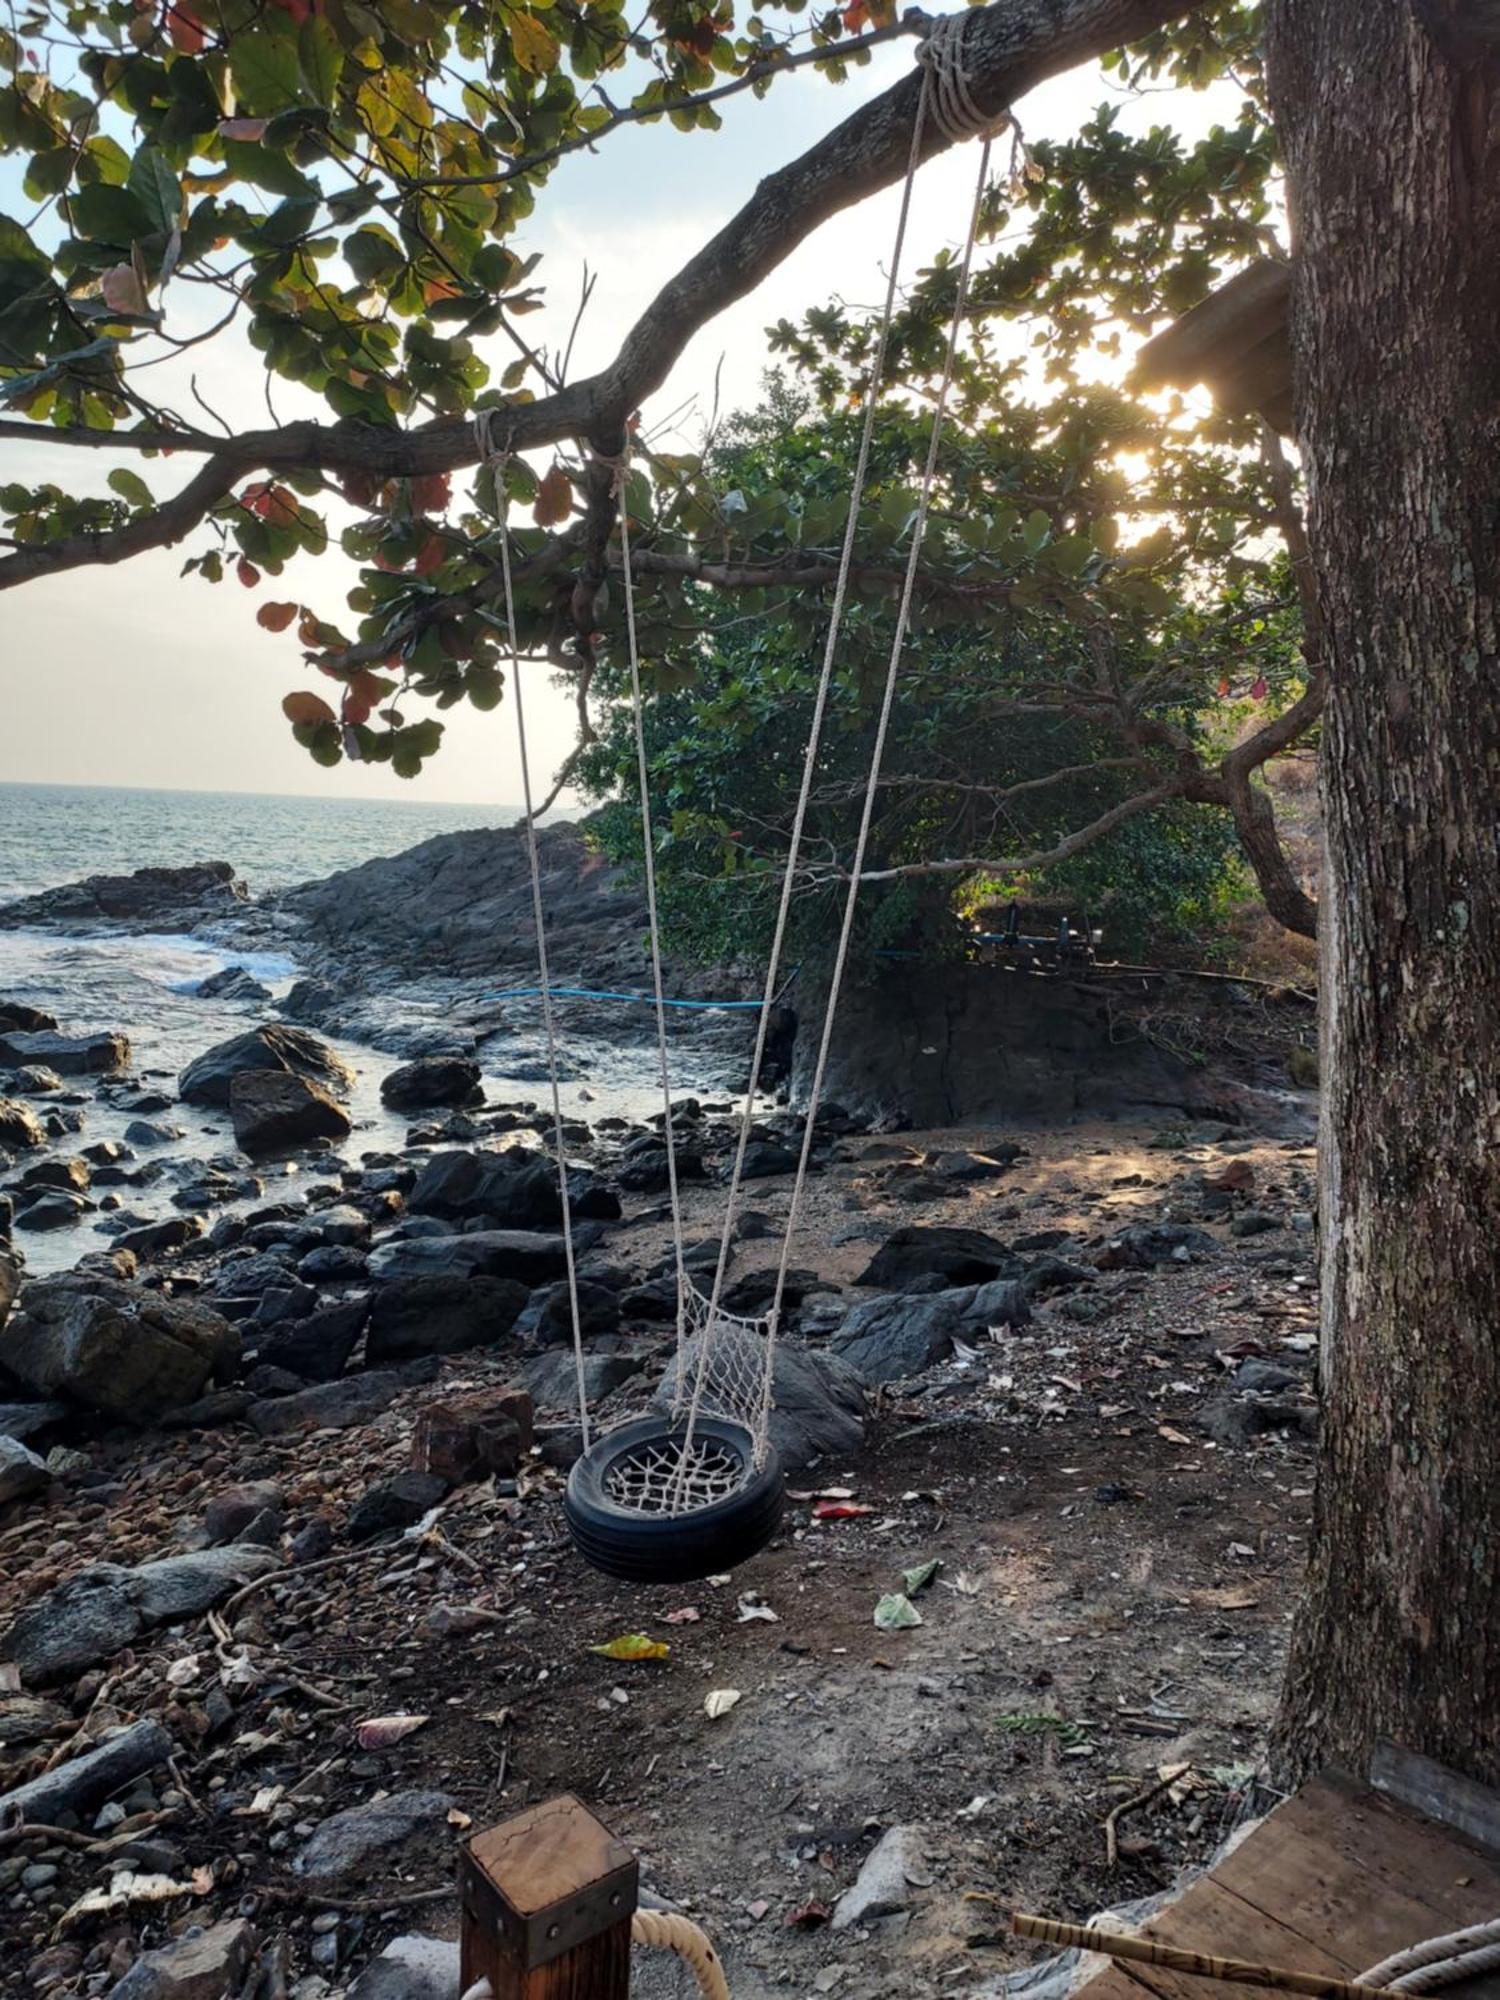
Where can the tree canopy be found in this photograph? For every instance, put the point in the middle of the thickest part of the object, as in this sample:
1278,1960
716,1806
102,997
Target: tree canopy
345,187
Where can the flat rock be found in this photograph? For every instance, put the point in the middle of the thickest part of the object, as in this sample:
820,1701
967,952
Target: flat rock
441,1315
123,1349
353,1843
158,1239
202,1965
959,1256
883,1885
336,1406
411,1968
889,1339
276,1112
203,888
273,1047
1145,1245
102,1054
516,1188
106,1606
528,1256
394,1503
551,1379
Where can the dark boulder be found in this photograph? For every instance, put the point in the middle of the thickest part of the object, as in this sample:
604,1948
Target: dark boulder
273,1047
317,1347
159,1239
1145,1245
70,1055
233,983
277,1112
119,1348
818,1405
549,1322
178,895
551,1379
516,1189
20,1128
443,1315
889,1339
395,1503
528,1256
58,1208
432,1080
958,1256
16,1015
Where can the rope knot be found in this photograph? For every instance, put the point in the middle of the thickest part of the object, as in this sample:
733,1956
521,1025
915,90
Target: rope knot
948,82
615,463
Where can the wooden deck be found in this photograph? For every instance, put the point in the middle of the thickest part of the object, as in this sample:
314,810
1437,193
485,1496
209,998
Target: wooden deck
1334,1880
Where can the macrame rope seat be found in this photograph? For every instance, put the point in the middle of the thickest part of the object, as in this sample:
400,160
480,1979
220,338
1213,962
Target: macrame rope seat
711,1452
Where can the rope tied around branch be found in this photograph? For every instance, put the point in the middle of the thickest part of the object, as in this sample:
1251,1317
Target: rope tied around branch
950,97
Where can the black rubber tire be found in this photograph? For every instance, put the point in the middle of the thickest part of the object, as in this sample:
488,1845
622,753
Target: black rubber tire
671,1548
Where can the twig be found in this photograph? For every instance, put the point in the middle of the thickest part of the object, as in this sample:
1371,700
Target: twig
401,1902
1111,1845
294,1572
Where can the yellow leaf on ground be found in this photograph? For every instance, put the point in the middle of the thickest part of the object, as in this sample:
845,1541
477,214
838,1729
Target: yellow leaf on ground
634,1646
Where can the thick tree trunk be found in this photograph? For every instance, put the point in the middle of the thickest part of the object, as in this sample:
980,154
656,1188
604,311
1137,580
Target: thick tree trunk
1393,151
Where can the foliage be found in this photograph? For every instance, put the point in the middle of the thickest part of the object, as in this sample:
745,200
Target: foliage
342,185
976,745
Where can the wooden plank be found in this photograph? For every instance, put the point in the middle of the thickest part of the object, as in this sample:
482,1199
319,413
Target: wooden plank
1333,1880
1422,1786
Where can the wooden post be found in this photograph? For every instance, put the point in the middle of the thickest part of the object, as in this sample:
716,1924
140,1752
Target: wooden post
547,1901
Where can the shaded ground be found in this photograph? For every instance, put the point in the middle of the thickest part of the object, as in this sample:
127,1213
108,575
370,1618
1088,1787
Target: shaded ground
1112,1599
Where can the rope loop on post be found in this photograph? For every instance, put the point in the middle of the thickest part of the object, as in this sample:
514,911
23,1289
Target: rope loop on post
948,79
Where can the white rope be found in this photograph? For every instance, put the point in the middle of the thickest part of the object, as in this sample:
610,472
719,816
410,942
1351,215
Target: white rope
943,72
1439,1961
484,439
619,467
952,104
809,767
877,755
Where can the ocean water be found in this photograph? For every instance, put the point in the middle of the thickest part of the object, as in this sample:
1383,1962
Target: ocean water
50,834
145,985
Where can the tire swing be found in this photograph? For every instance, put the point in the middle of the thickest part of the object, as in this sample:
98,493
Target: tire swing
694,1487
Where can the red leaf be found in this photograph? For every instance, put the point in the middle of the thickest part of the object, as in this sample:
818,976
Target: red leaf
430,556
840,1510
250,130
247,573
276,617
306,707
429,493
185,28
554,499
1258,688
1223,684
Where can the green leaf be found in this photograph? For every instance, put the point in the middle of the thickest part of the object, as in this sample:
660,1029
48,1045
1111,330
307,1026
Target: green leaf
113,215
130,486
265,70
322,58
156,188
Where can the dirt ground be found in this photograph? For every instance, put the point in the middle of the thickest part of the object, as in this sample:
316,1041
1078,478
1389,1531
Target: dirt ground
1112,1600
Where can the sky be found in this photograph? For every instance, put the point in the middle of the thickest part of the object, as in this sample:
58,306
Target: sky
132,675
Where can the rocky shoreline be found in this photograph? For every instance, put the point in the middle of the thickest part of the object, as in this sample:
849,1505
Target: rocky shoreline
318,1370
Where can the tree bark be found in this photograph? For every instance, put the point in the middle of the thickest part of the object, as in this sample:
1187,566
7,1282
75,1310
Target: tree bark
1393,153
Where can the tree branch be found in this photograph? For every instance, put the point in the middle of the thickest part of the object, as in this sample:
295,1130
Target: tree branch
1024,864
157,529
1012,46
